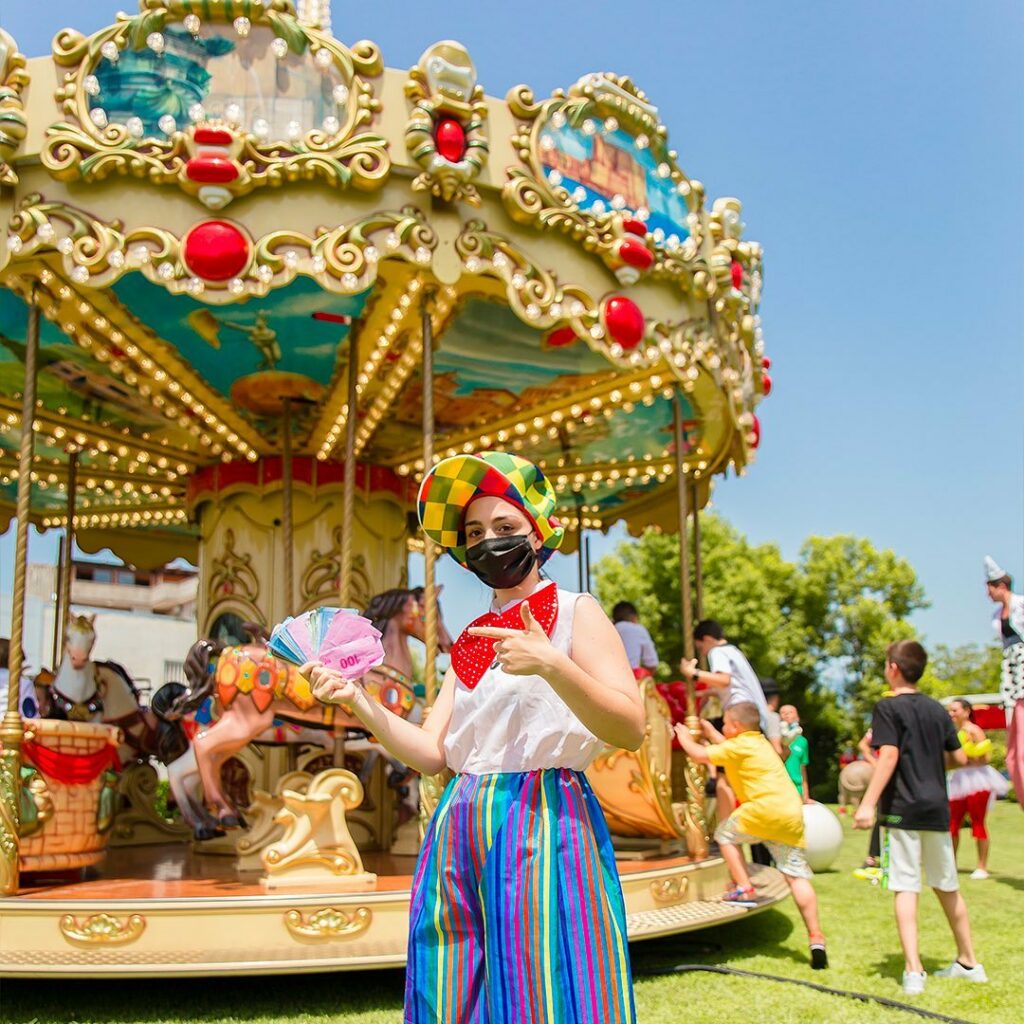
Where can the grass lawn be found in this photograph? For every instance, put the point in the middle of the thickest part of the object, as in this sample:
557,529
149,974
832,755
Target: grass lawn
857,918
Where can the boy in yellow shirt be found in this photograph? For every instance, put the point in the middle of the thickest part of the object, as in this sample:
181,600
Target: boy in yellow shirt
770,811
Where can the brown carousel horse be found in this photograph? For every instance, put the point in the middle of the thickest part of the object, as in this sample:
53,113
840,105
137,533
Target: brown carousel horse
84,690
251,688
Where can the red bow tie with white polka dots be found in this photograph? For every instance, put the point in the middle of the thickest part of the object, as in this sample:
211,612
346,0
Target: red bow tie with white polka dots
472,655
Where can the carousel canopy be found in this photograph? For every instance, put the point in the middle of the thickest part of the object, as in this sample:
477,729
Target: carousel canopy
214,205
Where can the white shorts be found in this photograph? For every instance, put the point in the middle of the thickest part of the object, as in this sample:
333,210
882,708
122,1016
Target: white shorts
905,852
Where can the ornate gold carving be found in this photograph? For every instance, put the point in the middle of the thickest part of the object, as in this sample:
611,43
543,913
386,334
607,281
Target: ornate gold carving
670,890
137,822
444,84
329,923
9,816
232,577
342,259
37,804
102,929
320,582
79,149
317,845
534,197
13,123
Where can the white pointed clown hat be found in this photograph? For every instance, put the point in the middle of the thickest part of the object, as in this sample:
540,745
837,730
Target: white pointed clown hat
993,572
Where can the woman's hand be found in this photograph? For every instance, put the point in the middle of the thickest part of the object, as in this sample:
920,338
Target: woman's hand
520,652
329,686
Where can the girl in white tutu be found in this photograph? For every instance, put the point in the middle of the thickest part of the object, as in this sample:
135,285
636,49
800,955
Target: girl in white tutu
974,788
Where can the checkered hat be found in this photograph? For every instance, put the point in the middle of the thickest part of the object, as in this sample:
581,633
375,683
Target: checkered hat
452,484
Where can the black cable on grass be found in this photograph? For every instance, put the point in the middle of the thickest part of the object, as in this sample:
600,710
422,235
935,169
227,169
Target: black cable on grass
863,997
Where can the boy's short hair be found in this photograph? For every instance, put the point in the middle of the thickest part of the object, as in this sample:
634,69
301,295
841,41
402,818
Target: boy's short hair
1006,581
909,657
708,627
623,611
746,715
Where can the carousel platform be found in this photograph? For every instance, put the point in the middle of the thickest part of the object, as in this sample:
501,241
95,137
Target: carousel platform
165,910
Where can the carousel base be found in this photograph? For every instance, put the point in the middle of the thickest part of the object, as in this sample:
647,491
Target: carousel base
163,910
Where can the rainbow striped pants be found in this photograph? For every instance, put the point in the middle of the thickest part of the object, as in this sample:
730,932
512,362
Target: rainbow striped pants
517,914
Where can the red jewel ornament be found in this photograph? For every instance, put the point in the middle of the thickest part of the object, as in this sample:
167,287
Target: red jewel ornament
472,655
737,274
766,384
766,362
215,250
450,139
560,337
624,321
635,226
755,433
206,136
633,252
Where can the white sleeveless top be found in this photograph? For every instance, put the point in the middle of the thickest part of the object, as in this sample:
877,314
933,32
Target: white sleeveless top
512,723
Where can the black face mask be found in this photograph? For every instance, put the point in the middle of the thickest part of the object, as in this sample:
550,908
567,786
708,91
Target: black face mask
502,562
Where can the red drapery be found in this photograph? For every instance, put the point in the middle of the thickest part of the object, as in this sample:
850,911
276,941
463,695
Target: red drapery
70,769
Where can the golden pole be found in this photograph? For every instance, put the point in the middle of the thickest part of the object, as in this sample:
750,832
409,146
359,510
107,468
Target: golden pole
696,826
64,594
12,731
287,521
348,493
698,560
55,650
429,555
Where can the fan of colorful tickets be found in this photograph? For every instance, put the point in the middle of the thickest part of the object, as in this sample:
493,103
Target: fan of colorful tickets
339,637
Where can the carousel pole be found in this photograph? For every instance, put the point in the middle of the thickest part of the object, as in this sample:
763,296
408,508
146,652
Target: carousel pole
698,561
55,649
287,521
696,827
348,505
12,730
429,553
64,593
348,493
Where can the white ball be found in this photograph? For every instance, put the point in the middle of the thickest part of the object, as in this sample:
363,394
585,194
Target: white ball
823,834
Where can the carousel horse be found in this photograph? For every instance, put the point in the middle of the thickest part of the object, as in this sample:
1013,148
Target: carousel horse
84,690
252,688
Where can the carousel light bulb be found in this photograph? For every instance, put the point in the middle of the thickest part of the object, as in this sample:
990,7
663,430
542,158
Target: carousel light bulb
116,258
319,264
349,281
331,124
91,84
233,113
243,26
532,311
324,58
14,244
155,41
165,271
422,254
371,255
641,141
64,246
167,124
558,119
196,112
291,259
98,116
618,201
294,130
192,24
110,51
80,275
279,48
589,126
261,128
340,93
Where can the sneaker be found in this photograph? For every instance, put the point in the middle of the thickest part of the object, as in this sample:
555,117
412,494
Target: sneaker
873,875
741,897
819,957
979,873
913,982
957,970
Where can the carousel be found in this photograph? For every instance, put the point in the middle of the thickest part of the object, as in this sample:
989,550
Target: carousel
252,282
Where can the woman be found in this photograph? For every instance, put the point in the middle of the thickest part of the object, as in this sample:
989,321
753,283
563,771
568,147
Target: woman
516,911
1008,622
974,788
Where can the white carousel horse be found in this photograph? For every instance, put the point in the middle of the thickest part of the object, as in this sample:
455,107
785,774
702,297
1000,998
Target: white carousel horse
84,690
252,688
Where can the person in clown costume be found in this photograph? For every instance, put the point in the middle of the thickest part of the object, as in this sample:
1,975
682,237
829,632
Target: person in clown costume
516,913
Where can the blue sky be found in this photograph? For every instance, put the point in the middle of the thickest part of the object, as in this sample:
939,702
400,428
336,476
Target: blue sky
878,150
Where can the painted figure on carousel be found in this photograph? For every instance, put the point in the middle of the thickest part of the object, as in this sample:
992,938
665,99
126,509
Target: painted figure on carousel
516,875
1008,622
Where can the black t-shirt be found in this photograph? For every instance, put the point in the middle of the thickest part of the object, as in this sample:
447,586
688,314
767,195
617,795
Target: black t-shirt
915,797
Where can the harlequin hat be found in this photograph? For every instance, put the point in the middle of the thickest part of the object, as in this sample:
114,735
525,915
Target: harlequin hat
452,484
